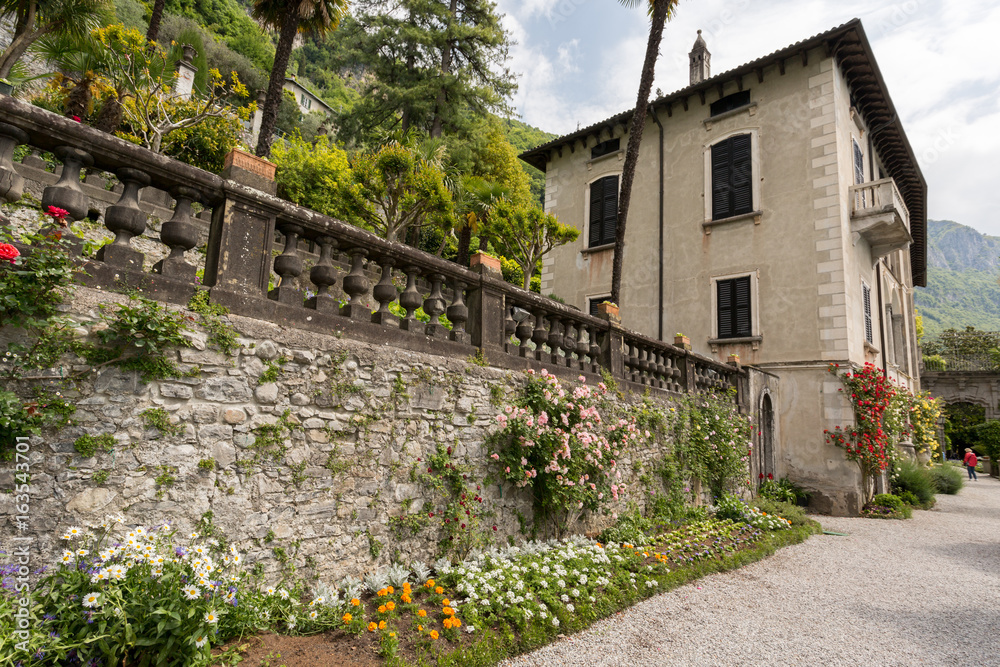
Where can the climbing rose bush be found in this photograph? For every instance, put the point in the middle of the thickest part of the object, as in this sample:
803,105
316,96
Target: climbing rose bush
556,442
880,412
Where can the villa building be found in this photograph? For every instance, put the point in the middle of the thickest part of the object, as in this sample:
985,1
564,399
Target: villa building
778,213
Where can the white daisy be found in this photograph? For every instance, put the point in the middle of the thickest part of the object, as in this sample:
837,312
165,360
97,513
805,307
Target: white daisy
67,557
117,572
200,640
191,592
74,531
211,617
91,599
313,614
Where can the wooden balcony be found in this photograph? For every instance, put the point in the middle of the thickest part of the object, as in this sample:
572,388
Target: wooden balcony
879,215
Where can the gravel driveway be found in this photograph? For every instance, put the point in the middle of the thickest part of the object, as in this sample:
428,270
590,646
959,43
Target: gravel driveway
918,592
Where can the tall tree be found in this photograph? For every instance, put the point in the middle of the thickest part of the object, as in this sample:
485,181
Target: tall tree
659,12
34,19
434,65
289,18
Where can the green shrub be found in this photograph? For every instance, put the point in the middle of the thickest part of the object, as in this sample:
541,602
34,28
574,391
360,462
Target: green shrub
908,498
887,506
87,445
784,490
947,479
913,477
316,176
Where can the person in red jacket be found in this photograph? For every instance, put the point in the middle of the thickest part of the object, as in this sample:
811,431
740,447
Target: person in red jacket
970,463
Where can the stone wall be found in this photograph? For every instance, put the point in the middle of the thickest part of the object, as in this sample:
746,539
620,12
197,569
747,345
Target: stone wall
365,416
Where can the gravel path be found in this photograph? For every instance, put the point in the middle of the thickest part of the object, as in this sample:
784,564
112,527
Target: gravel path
918,592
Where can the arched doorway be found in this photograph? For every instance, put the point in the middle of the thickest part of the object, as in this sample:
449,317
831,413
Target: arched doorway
765,452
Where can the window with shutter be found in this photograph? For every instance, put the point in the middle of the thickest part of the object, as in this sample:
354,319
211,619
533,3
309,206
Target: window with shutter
605,147
859,174
733,307
732,177
603,211
866,297
730,102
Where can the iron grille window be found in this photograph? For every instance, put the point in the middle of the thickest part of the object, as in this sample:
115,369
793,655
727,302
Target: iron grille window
730,102
732,168
603,210
866,297
733,304
605,147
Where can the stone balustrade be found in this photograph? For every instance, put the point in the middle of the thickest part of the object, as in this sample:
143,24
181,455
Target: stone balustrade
468,310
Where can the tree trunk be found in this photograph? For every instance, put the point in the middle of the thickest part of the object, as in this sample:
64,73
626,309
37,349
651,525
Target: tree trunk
79,99
464,240
154,21
437,126
660,10
276,84
24,35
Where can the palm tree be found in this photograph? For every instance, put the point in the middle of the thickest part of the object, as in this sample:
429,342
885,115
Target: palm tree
659,12
289,18
34,19
154,21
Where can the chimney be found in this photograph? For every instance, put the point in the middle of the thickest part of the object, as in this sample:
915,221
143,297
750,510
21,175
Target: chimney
700,61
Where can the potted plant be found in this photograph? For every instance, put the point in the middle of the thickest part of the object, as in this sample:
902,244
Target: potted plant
6,87
610,309
680,340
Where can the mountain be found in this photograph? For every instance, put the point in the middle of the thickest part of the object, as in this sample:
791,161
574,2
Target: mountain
963,267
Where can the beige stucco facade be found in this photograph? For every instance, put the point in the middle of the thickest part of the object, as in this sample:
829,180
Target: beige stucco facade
810,246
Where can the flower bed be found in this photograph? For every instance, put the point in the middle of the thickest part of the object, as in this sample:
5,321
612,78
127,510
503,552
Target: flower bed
122,595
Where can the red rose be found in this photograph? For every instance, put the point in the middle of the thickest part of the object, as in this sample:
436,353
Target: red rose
57,213
760,476
76,118
9,252
770,476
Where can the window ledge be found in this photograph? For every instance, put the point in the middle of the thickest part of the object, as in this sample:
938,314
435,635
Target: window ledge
871,349
620,153
754,342
598,248
751,108
755,215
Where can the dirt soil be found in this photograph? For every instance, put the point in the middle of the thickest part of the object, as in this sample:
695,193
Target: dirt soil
329,649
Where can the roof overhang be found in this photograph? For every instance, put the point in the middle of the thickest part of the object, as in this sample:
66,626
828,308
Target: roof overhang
849,45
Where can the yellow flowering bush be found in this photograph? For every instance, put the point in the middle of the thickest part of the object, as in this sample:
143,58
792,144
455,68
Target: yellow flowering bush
925,412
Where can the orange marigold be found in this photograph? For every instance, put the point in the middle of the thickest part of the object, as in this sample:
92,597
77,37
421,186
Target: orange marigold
455,623
355,602
390,605
448,611
434,634
381,609
381,625
372,627
446,602
439,590
406,598
421,613
429,584
347,617
391,590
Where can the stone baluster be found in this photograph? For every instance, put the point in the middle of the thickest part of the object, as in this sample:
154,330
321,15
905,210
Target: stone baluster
661,369
631,362
288,266
411,299
583,347
569,343
509,326
67,193
649,366
555,339
539,335
385,293
640,363
594,352
458,313
524,332
434,307
323,275
11,183
180,234
125,219
356,286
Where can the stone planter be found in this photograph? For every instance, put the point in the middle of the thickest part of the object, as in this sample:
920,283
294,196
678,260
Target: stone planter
6,88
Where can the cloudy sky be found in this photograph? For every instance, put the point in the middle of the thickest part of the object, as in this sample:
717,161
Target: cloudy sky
580,62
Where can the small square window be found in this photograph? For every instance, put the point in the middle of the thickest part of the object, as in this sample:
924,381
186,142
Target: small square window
730,102
605,147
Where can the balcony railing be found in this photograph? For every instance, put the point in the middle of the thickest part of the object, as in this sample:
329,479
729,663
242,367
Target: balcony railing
880,216
357,283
